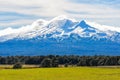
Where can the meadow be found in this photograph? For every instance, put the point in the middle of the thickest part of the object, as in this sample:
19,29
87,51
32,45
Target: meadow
69,73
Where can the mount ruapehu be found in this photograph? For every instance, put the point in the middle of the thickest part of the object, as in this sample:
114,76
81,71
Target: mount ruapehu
62,36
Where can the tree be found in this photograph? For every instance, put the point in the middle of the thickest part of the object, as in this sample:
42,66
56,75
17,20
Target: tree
119,62
82,63
47,62
101,62
93,62
55,63
17,66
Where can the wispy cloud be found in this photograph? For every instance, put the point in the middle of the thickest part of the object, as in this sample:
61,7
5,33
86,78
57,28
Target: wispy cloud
97,1
77,12
26,11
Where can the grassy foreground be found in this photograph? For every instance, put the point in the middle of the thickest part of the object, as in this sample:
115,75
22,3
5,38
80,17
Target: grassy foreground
74,73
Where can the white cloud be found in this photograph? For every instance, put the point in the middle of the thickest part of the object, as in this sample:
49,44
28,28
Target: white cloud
16,23
52,8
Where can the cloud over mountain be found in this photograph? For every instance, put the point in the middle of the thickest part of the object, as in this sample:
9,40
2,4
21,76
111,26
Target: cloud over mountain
21,12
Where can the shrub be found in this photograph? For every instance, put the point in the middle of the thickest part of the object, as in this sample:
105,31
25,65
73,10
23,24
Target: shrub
17,66
66,65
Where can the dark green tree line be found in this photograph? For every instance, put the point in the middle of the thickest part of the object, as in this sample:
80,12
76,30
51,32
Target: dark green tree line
55,60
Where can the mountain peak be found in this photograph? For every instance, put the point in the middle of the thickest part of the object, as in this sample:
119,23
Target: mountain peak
61,35
83,24
59,26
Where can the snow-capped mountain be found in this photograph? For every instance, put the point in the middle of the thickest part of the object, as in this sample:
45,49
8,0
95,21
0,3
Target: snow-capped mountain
61,35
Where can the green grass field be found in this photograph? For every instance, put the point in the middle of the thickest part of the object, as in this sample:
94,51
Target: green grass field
73,73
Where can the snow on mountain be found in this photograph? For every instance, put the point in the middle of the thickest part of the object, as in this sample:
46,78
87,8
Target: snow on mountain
61,35
59,27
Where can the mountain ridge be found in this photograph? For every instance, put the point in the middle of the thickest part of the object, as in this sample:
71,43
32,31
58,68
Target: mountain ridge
60,24
61,35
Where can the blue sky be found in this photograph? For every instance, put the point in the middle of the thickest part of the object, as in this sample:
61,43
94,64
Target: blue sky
16,13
